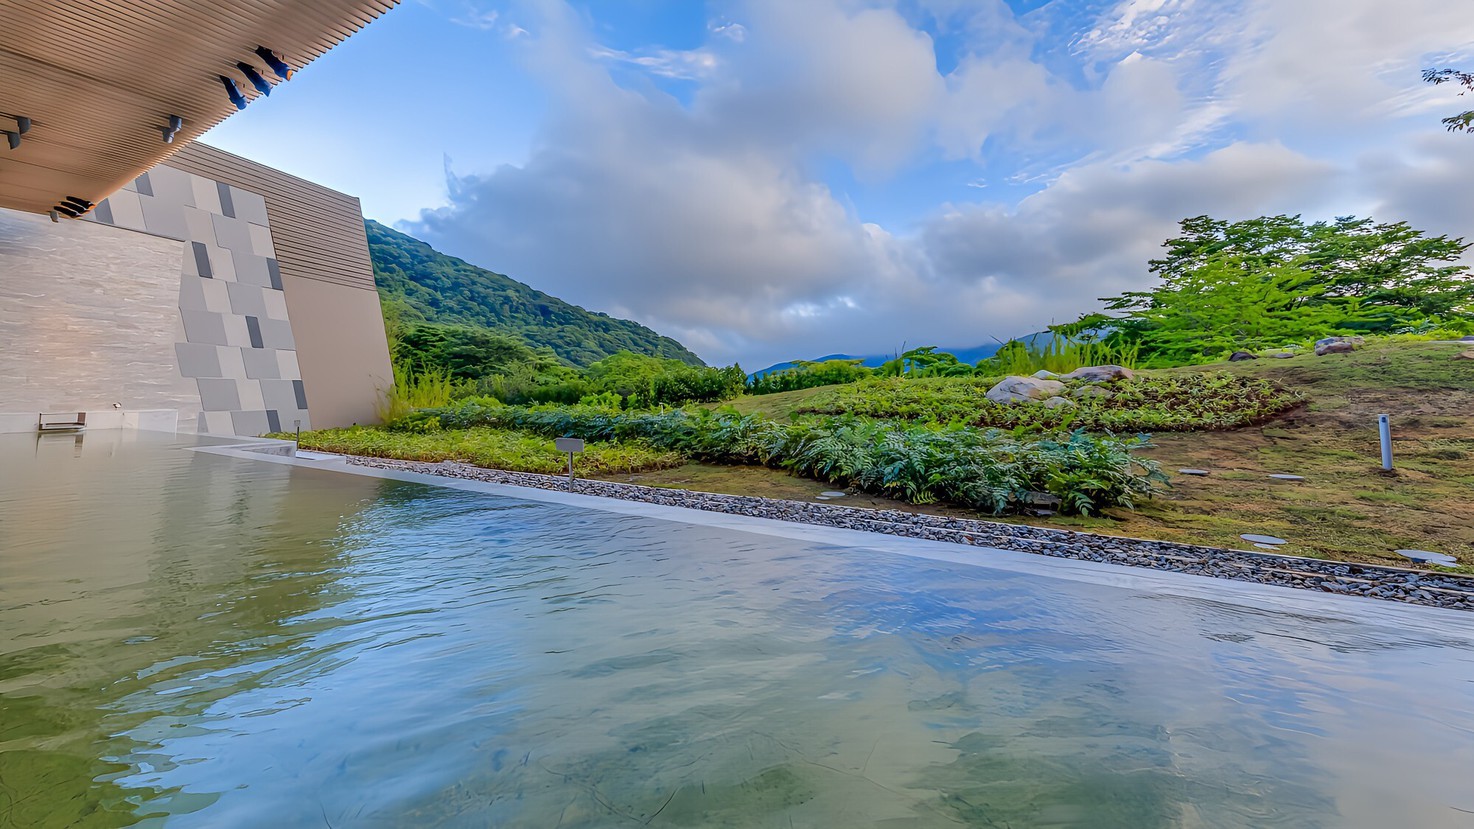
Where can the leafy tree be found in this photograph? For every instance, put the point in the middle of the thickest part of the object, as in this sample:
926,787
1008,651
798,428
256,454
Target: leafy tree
924,361
647,381
466,352
1230,301
807,375
1464,121
1388,267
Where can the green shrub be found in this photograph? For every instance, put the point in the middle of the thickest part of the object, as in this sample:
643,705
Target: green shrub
1061,355
490,447
1156,403
988,470
807,375
415,390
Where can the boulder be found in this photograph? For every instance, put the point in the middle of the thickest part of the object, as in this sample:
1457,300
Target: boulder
1467,339
1337,345
1023,389
1092,392
1099,374
1282,355
1046,374
1059,403
1240,356
1465,355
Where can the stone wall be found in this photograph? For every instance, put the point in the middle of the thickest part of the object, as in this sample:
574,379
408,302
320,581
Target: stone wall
89,318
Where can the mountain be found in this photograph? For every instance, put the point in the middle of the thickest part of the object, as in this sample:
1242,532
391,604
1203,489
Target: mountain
429,286
966,355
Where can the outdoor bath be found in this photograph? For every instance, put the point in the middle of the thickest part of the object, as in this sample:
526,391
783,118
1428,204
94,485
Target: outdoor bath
192,639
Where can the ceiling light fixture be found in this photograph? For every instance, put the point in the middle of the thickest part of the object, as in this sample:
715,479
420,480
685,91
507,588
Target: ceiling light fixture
278,66
175,125
255,78
234,92
22,126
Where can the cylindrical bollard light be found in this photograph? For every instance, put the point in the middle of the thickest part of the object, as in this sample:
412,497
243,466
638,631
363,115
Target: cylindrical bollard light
1384,428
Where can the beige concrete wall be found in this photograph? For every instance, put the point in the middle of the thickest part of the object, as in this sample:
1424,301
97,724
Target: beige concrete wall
89,316
322,250
341,349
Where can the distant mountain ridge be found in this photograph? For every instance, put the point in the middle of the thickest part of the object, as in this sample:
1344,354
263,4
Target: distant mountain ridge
429,286
966,355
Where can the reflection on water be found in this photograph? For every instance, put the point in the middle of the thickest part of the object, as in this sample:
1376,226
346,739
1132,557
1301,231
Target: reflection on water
197,641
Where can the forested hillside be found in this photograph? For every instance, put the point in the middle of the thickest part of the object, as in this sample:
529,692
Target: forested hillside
421,284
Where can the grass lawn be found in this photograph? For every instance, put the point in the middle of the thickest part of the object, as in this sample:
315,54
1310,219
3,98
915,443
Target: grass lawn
1345,509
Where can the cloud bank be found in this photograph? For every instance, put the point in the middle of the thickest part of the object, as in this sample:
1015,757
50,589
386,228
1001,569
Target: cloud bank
712,214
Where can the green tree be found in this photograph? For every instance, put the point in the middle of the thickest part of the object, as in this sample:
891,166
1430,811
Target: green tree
1464,121
1399,275
465,352
1231,302
805,374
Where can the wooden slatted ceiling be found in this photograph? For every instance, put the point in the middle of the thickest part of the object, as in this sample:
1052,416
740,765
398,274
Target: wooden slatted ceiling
99,78
318,233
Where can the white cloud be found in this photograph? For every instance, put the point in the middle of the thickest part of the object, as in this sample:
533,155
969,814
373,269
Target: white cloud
706,219
688,64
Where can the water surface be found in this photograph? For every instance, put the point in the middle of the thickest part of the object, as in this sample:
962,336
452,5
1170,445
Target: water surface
196,641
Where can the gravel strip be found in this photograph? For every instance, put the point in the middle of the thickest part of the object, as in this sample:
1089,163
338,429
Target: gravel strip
1390,583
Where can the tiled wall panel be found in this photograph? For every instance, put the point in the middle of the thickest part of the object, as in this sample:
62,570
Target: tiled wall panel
237,342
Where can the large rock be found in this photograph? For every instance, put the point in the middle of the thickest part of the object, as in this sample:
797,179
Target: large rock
1240,356
1099,374
1059,403
1465,355
1091,392
1046,374
1024,389
1337,345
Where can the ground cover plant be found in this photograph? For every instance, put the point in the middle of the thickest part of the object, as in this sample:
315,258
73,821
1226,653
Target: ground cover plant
1147,403
987,470
494,448
1345,509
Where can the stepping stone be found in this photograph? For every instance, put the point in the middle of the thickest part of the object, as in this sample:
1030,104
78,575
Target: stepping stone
1196,472
834,494
1427,557
1284,477
1263,539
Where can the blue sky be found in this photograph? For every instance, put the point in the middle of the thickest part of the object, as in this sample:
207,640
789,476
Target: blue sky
766,179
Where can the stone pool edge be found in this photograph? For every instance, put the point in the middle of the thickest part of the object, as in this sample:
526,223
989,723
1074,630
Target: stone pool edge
1387,584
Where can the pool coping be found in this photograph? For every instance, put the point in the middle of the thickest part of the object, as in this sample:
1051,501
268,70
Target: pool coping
1266,595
